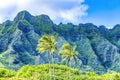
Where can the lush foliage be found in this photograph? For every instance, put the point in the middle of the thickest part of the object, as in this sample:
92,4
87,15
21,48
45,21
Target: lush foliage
40,72
6,73
98,47
68,53
47,43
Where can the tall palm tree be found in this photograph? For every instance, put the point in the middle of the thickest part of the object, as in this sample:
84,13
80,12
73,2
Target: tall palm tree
68,53
47,44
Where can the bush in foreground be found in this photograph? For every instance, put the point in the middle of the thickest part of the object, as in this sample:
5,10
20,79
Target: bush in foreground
6,73
41,72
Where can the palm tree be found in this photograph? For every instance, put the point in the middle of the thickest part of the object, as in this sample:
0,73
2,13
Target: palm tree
47,44
68,53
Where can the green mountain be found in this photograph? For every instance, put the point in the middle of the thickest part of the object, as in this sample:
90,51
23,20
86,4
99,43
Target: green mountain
98,47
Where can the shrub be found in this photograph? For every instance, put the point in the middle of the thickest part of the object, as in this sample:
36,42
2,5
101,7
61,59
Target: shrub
6,73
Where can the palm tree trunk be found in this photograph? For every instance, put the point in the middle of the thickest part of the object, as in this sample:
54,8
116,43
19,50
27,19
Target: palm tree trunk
53,66
9,60
69,71
49,66
70,78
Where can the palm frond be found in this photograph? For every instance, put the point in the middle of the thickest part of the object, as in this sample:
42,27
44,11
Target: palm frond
67,59
41,50
68,52
75,60
74,47
47,42
66,46
76,52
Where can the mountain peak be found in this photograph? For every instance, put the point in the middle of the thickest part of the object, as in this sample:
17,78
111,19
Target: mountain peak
87,25
99,48
7,23
24,11
44,17
23,15
116,26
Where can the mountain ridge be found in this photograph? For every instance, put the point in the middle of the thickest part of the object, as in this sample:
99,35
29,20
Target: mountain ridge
98,47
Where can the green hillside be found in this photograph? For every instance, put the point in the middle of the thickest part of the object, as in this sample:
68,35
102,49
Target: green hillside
98,47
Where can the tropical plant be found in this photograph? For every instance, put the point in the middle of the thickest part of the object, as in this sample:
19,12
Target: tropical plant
47,44
41,72
68,53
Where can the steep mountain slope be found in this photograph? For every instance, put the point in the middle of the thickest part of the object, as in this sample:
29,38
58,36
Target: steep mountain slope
98,46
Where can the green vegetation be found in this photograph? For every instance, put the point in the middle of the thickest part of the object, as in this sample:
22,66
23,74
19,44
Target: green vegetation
69,55
98,47
41,72
48,43
6,73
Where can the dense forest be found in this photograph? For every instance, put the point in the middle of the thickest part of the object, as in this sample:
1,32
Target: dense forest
80,52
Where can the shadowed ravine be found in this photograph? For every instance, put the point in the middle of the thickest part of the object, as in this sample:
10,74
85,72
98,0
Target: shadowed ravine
98,47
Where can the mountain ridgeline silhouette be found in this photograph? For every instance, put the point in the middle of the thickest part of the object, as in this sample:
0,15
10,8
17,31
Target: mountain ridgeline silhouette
98,47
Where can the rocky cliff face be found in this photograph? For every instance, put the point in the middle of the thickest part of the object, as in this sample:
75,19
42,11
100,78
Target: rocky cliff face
99,47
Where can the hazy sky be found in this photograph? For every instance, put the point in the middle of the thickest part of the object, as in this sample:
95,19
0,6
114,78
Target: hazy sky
99,12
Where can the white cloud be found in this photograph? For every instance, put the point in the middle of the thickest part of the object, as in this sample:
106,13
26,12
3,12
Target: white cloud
58,10
74,15
7,3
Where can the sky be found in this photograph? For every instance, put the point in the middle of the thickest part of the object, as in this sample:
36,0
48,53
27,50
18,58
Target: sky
98,12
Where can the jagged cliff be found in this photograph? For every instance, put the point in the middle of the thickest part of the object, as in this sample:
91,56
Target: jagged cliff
99,47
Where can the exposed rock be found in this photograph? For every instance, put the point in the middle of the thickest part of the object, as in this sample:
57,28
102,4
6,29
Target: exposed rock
98,47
